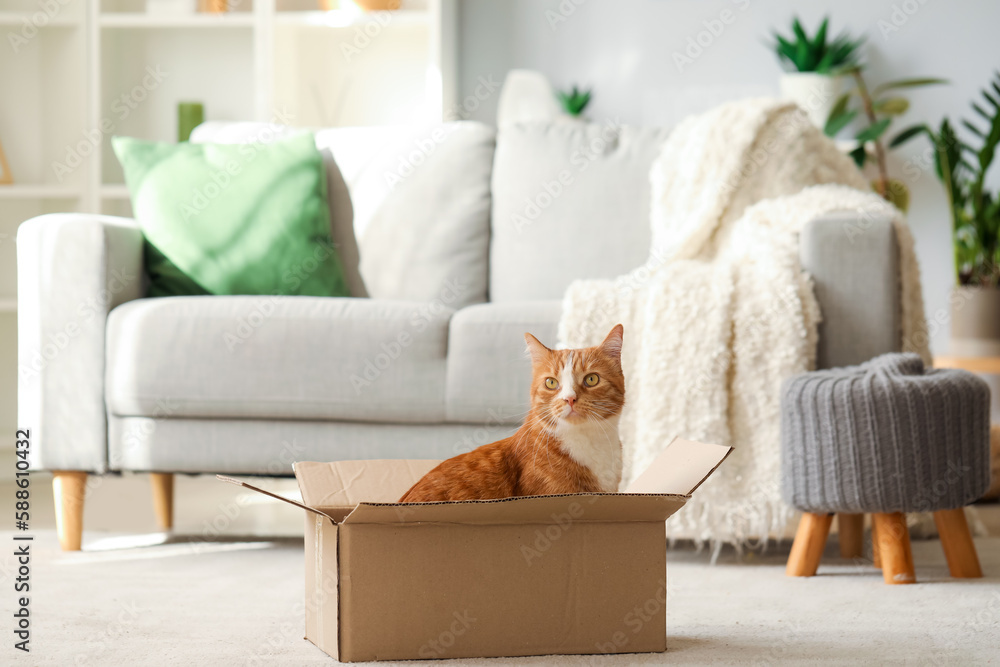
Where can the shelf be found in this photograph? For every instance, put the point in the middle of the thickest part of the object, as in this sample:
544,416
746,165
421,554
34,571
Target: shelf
194,20
345,18
115,192
38,191
57,21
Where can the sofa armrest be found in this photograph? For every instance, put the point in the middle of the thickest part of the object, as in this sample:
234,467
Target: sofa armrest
72,269
853,259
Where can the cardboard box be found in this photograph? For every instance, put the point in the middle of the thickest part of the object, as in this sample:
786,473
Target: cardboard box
539,575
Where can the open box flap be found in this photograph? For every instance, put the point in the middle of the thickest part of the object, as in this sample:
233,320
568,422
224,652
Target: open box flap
368,491
562,509
347,483
239,482
680,468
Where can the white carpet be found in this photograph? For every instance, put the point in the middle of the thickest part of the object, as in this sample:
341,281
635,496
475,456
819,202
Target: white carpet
234,603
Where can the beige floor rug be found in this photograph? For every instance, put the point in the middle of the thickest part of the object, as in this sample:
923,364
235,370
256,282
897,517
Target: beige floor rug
234,602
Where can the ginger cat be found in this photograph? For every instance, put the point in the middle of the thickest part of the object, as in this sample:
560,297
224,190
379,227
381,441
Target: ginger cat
568,443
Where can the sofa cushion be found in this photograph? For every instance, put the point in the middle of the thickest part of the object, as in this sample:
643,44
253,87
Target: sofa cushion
489,372
422,208
339,196
420,202
270,446
263,227
278,358
570,201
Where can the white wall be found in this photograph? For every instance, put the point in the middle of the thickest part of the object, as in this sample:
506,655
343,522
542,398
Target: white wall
625,50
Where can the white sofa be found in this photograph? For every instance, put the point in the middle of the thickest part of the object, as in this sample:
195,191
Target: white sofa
466,240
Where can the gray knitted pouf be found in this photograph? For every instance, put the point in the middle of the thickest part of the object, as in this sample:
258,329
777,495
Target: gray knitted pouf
885,436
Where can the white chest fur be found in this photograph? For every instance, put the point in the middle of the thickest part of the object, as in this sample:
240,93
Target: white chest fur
596,446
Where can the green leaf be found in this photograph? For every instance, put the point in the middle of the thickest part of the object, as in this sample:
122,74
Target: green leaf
847,70
825,63
574,101
785,49
837,123
906,83
802,58
840,106
815,54
908,134
800,33
819,42
873,131
972,128
892,106
788,53
982,112
859,155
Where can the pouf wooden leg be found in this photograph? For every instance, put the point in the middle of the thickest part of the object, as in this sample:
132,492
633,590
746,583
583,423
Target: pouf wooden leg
894,548
956,540
876,556
807,550
851,532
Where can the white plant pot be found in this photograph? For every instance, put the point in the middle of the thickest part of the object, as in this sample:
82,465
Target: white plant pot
815,93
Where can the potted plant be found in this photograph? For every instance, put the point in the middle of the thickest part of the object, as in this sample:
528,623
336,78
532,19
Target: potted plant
814,77
574,102
878,107
975,217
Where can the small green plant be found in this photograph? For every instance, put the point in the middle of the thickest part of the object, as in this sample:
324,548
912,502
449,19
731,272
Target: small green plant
574,101
975,211
879,108
813,54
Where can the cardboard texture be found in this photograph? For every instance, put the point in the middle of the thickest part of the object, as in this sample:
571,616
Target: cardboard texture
568,574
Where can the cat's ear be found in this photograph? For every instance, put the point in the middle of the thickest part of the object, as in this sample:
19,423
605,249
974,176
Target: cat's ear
535,348
612,345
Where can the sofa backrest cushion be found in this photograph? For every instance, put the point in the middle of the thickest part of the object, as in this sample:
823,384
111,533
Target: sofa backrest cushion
419,204
421,208
570,201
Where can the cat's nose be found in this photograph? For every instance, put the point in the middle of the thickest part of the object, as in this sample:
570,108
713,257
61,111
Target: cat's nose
570,400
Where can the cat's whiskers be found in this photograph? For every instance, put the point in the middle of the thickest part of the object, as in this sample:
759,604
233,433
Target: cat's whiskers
605,428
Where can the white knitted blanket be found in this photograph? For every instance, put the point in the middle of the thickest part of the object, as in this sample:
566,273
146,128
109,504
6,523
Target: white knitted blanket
721,312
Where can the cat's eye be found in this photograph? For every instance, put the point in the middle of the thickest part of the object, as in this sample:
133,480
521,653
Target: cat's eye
551,383
592,380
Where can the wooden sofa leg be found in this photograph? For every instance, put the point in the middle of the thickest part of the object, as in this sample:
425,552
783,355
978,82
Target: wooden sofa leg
850,534
807,549
956,540
69,489
163,498
894,548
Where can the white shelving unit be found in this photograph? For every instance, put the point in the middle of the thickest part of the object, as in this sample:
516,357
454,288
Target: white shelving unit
39,191
16,18
143,20
99,68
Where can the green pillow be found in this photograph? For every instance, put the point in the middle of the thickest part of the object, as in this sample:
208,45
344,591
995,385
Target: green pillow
233,218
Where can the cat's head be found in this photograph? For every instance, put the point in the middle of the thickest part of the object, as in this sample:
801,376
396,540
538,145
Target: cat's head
574,386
